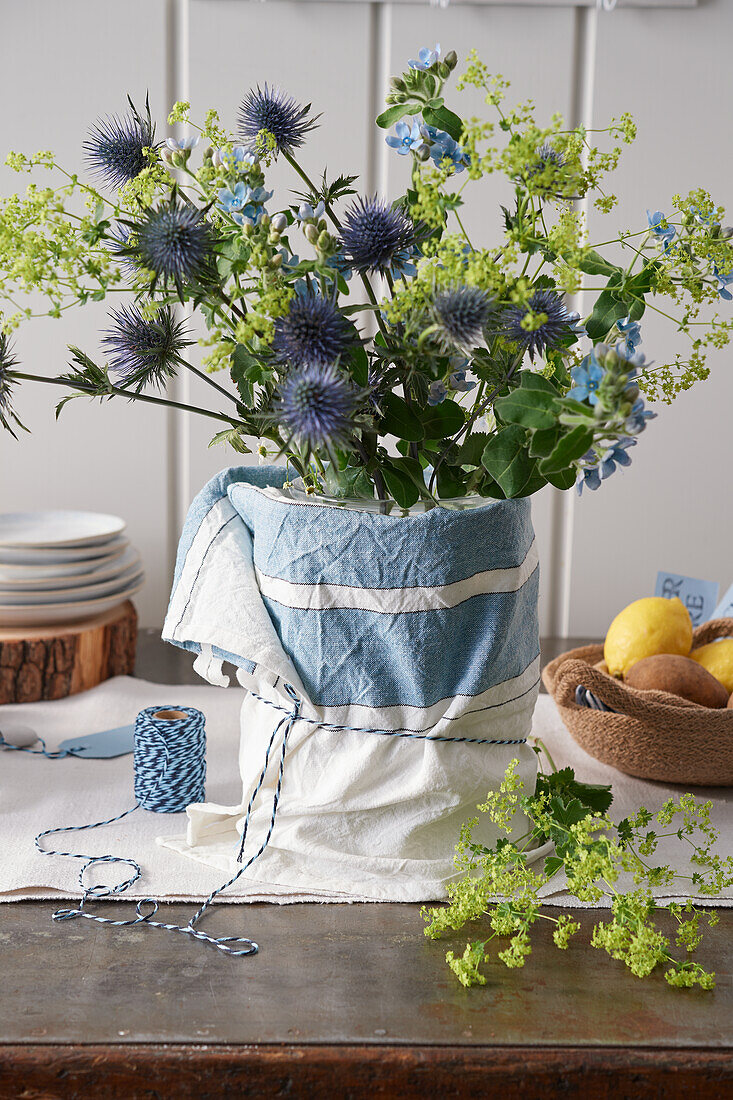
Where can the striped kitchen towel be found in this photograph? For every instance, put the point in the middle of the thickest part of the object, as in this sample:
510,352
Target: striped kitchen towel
392,664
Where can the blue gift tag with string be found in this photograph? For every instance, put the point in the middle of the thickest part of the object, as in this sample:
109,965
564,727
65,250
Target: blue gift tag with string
101,746
724,610
698,596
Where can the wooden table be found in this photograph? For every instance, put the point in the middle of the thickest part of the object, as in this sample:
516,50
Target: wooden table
342,1001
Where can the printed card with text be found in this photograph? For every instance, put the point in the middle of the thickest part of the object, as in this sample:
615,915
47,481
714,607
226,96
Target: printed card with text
698,596
724,610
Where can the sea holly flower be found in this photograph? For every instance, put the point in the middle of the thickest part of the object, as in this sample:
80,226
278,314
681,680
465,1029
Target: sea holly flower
277,113
408,138
314,331
461,314
376,236
144,351
8,417
174,241
557,326
586,377
426,58
662,230
117,146
437,393
316,406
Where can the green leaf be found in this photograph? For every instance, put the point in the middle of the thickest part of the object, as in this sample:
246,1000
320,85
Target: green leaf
359,365
349,483
232,436
470,451
444,119
608,309
552,865
400,485
400,420
531,404
394,114
594,264
507,460
563,479
563,785
450,482
442,421
571,447
544,442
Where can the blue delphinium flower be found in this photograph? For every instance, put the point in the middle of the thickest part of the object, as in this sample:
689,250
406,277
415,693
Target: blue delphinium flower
617,455
461,312
559,325
275,111
376,236
437,393
425,58
314,331
316,406
443,147
587,377
182,145
631,332
661,229
243,203
174,241
457,381
8,418
306,213
635,423
407,139
144,351
724,280
590,477
340,265
237,159
115,148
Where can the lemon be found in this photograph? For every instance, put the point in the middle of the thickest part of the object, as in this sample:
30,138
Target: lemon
643,629
717,658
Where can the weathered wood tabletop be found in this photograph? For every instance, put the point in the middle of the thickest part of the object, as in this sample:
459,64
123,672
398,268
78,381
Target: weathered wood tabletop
342,1001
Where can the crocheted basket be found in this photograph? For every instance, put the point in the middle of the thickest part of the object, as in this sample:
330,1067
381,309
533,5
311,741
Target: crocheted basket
649,734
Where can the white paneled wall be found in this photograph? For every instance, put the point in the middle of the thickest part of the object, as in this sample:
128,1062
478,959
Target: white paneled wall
666,61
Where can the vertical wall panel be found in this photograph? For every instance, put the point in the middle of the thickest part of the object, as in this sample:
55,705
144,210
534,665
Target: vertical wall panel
533,48
671,508
62,65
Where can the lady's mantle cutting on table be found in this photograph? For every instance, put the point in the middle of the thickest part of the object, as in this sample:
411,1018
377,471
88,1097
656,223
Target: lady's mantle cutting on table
500,883
374,343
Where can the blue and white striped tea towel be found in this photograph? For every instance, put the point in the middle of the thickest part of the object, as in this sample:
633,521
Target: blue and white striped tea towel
399,657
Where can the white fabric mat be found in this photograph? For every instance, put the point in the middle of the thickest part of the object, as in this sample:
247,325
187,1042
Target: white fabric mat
36,794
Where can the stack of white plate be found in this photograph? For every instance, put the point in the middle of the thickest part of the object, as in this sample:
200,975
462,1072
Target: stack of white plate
59,567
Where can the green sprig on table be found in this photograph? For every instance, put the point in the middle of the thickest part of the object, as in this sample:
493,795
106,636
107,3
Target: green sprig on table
501,885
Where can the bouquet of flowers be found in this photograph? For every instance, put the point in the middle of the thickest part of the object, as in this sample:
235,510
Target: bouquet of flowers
374,343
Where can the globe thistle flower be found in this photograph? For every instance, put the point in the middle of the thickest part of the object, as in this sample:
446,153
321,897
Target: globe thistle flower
144,351
550,333
8,417
314,331
316,406
374,235
461,313
175,242
116,146
275,111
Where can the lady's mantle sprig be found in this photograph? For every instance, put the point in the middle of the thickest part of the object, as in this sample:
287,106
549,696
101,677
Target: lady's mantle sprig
273,111
118,148
144,351
316,407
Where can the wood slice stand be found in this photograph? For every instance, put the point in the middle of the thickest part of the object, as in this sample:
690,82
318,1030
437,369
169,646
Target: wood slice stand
55,661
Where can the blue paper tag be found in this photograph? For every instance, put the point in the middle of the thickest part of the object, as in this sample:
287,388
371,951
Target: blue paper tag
724,610
99,746
698,596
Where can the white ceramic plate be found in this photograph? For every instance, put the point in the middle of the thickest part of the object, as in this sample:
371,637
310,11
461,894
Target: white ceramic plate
56,528
51,613
12,572
20,578
59,555
82,593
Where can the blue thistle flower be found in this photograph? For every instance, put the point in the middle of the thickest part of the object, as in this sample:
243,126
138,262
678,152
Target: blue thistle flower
8,417
143,351
275,111
314,331
175,242
551,333
462,313
115,148
316,406
374,235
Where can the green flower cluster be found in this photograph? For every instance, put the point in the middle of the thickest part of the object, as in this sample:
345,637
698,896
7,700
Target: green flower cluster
497,884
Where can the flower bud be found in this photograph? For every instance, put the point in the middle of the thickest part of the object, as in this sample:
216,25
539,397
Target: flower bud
276,260
217,159
248,229
209,153
451,59
265,219
166,155
398,84
324,242
311,233
443,70
423,151
279,223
